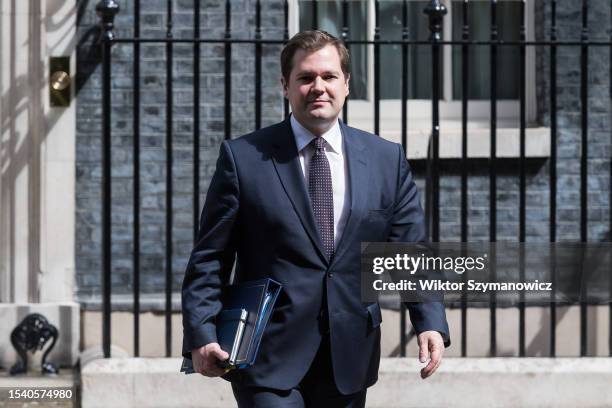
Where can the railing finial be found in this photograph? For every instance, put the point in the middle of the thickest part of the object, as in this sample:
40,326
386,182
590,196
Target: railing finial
106,10
436,11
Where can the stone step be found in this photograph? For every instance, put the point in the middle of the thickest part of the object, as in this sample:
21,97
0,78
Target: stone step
458,383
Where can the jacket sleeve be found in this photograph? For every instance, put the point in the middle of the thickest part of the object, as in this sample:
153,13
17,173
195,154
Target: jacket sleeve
408,225
210,264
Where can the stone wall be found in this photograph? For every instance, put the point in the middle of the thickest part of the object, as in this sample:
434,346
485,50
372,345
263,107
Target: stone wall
153,130
152,135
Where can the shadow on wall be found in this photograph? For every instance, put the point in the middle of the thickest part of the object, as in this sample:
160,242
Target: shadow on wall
87,52
25,123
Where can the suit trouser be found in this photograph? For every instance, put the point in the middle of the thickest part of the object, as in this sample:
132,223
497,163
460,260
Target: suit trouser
317,389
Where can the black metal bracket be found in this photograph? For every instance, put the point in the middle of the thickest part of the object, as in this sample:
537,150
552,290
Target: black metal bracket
106,10
436,10
32,334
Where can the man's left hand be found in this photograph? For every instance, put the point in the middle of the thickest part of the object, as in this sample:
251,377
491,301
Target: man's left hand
431,345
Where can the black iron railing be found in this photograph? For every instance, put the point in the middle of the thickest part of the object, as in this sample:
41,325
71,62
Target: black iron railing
435,12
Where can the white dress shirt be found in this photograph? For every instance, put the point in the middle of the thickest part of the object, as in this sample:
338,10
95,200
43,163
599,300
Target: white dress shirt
334,151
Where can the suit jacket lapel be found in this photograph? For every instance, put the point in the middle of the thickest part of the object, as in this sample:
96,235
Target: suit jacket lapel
357,161
287,163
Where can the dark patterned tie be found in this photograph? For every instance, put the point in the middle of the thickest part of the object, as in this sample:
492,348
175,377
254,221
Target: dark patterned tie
321,195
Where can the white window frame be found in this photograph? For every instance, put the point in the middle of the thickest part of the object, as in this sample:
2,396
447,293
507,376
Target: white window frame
361,112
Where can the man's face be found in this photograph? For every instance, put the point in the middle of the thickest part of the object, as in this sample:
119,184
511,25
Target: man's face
317,86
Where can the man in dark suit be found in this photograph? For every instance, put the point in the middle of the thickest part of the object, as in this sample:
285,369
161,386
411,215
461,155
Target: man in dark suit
293,202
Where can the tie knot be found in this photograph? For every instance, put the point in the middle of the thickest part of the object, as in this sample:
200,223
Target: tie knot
318,143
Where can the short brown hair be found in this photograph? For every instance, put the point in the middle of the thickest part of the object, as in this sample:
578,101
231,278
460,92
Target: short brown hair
312,40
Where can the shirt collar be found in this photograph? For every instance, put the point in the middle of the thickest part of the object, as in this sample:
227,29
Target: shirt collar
303,137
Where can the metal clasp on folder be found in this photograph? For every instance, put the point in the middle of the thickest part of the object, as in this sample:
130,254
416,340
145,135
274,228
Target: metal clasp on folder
238,339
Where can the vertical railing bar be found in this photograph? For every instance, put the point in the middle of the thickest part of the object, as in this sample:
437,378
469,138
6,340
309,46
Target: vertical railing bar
436,11
584,37
258,65
493,170
136,202
345,30
428,162
610,192
428,174
553,171
106,10
227,107
403,339
106,196
405,37
376,68
464,153
522,185
315,15
286,38
196,121
169,187
435,136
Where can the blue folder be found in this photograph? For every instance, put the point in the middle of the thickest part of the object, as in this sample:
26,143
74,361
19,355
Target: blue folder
256,299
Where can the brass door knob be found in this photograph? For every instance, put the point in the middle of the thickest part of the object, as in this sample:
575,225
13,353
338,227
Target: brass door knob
60,80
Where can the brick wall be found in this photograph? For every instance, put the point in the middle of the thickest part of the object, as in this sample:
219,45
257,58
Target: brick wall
152,131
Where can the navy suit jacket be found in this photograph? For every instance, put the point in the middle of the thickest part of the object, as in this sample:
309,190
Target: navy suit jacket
258,212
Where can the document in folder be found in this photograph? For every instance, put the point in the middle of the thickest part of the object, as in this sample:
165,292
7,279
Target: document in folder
245,313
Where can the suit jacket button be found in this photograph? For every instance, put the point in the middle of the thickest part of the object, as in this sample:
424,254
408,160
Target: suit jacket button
329,274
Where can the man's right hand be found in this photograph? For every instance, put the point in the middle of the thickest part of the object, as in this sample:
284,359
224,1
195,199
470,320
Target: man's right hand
205,360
